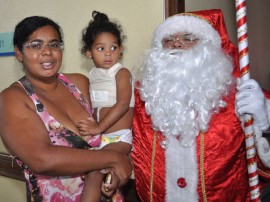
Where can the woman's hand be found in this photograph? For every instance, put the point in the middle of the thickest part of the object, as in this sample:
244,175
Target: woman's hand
110,184
123,170
121,167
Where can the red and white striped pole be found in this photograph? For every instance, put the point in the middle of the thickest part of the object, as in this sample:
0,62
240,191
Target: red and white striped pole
248,121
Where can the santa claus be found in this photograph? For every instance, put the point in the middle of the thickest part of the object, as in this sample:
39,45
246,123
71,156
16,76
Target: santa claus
188,142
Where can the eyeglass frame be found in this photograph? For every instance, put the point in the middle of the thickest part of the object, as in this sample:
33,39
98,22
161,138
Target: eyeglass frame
179,37
28,45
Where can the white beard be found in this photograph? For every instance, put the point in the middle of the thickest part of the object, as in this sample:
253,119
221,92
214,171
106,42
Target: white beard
183,88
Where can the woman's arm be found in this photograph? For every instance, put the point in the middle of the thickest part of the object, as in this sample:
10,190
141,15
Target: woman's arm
24,135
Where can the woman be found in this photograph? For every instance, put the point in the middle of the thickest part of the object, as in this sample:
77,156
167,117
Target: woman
38,117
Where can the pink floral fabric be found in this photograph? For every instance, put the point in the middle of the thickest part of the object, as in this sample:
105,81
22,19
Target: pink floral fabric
61,188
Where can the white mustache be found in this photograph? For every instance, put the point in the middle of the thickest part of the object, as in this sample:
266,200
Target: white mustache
176,52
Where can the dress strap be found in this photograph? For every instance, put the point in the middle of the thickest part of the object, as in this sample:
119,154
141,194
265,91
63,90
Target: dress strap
29,90
76,92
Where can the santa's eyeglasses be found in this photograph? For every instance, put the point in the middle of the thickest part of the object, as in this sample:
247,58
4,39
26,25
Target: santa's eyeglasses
186,39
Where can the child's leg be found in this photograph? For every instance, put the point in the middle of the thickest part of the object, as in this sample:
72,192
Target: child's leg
92,187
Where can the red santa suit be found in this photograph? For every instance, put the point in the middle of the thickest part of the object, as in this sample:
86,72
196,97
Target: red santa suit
214,168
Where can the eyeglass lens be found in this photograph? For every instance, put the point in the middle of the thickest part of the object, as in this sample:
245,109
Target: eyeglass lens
39,45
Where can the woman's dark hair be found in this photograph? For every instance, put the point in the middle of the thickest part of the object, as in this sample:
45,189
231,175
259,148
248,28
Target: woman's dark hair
29,25
98,25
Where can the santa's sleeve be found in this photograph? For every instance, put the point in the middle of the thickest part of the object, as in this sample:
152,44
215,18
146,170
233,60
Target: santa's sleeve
263,146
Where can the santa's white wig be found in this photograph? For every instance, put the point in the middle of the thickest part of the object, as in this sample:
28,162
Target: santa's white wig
186,22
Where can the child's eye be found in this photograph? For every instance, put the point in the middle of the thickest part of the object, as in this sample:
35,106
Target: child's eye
114,48
100,48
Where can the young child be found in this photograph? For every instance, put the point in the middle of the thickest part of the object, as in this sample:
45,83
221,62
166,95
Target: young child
111,91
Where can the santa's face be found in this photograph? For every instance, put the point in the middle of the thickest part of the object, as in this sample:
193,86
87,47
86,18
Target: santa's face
182,88
180,40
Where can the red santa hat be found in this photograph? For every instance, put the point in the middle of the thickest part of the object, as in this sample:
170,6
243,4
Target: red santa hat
206,24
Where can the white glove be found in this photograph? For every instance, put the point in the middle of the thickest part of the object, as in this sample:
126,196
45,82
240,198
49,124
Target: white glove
250,100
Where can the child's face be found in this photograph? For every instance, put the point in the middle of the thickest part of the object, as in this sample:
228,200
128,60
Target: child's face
105,51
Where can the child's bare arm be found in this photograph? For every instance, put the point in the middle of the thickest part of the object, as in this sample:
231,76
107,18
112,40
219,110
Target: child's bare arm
123,97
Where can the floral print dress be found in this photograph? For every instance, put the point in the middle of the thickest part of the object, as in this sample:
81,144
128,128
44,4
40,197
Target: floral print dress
41,188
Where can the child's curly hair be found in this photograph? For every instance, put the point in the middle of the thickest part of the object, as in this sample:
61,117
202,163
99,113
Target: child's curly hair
100,24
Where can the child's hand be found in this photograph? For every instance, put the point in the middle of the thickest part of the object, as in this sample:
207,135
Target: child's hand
88,127
110,184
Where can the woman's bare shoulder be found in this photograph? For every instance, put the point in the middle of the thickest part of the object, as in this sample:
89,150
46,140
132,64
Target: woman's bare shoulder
14,95
77,78
13,91
81,82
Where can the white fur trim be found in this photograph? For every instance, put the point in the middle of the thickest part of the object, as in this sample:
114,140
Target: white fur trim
181,162
268,109
183,23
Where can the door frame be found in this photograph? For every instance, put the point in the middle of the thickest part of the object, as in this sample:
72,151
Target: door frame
173,7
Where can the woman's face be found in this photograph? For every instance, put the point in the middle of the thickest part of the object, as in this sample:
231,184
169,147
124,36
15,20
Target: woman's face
44,61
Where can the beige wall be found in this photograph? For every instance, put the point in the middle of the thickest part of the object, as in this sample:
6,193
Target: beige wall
12,190
138,18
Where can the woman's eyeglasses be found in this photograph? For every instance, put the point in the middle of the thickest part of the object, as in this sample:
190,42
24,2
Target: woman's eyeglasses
39,45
